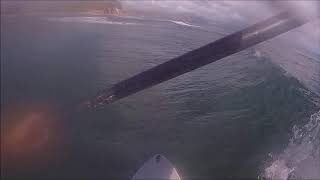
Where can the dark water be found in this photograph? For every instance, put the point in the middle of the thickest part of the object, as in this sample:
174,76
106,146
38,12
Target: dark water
220,121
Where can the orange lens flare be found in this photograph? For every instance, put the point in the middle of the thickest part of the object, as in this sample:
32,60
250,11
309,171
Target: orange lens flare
29,135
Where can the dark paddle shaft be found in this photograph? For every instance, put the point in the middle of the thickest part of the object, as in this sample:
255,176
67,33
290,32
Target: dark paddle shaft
209,53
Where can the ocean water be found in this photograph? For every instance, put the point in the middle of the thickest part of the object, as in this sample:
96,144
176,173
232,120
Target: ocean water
250,115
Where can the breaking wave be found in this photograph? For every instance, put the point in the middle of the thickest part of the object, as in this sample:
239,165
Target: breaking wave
184,24
301,158
98,20
105,20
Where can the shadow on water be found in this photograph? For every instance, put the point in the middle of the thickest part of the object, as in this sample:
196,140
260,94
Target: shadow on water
40,60
45,65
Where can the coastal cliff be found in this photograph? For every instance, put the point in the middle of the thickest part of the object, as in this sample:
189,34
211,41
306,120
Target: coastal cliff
100,7
110,7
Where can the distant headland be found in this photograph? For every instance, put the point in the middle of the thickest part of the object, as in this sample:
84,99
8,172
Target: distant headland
110,7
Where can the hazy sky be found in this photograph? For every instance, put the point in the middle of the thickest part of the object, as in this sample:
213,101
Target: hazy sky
224,10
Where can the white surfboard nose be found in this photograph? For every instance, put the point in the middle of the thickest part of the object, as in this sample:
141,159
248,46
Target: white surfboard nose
157,168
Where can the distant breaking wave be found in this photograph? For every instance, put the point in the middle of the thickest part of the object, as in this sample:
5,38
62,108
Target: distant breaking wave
184,24
99,20
181,23
105,20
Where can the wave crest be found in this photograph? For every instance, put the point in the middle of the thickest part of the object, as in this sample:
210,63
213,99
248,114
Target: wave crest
98,20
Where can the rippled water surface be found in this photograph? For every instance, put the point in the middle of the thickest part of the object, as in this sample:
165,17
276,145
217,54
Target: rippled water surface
220,121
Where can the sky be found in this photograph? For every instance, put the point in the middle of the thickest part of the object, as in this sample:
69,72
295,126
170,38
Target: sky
233,10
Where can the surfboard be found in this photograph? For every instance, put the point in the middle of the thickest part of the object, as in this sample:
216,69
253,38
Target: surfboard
157,168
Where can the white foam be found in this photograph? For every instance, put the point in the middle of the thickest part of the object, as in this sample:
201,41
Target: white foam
301,159
94,19
183,24
278,170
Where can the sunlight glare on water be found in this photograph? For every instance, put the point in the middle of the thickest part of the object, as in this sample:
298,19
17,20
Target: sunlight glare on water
29,135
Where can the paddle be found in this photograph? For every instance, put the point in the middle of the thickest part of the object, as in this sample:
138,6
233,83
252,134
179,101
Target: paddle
197,58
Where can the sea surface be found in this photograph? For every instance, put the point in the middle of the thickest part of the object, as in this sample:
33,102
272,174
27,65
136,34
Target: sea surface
254,114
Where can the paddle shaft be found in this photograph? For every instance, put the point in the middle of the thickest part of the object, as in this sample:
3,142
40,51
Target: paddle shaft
197,58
